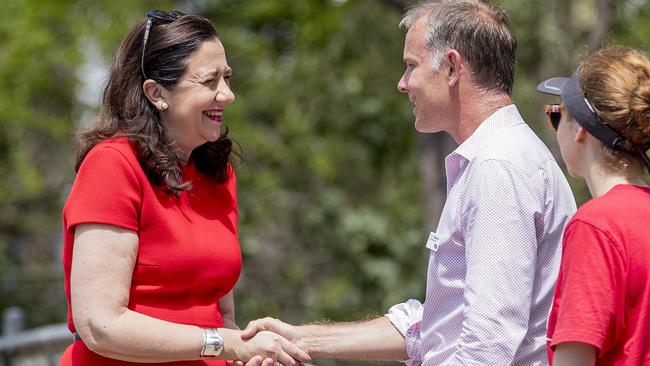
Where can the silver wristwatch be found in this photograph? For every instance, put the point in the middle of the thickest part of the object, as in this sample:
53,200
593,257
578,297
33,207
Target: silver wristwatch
212,342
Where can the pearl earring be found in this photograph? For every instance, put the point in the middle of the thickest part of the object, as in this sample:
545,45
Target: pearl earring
164,106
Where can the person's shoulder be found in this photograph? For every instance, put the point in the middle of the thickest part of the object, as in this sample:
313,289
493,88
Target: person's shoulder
594,210
619,204
594,221
118,143
520,139
519,148
620,197
111,153
518,144
116,146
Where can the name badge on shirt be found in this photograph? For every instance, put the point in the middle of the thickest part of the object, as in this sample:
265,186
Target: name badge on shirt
434,242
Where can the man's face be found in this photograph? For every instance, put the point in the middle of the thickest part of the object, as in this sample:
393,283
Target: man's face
426,87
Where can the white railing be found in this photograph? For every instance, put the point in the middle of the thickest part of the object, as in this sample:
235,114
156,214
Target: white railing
33,347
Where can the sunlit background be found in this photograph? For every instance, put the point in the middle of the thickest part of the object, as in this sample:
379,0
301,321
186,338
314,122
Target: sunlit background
337,191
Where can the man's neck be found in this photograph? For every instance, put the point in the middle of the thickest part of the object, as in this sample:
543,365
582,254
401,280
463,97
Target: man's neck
475,110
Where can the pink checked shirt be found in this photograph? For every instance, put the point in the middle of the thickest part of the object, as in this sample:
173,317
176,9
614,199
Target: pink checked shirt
494,259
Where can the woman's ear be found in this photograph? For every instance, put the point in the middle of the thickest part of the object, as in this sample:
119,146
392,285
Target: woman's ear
155,93
580,134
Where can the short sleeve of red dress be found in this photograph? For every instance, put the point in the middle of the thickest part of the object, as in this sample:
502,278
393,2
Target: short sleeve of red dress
106,191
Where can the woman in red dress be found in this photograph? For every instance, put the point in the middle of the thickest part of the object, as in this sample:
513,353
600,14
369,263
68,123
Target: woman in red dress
151,251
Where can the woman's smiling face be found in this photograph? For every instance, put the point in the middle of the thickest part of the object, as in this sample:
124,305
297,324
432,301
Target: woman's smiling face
197,102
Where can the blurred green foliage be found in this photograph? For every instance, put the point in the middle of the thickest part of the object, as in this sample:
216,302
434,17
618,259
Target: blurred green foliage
329,195
38,59
332,212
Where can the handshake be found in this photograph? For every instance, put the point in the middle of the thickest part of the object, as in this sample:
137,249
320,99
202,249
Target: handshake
269,342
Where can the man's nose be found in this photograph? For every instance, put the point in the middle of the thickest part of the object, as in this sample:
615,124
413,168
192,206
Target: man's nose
402,85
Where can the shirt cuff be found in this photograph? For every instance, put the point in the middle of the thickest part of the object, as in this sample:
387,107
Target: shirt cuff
406,318
412,341
404,315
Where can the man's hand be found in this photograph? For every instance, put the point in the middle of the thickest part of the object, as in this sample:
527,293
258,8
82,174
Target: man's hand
288,331
375,339
272,348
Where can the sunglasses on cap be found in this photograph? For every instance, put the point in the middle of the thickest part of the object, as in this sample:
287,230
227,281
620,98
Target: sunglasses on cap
553,115
160,16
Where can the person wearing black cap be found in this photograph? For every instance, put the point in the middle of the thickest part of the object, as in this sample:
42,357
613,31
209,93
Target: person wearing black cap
601,308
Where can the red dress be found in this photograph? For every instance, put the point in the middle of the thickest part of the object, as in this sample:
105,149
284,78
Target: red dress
188,252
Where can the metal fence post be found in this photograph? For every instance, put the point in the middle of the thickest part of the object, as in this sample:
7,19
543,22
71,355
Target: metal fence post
13,322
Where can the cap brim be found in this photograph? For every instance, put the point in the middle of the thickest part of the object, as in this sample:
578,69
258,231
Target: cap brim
552,86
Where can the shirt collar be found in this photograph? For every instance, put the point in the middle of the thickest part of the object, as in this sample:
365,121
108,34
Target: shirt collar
495,124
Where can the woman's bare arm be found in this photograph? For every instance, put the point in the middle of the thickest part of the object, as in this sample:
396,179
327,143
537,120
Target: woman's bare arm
227,307
574,354
102,266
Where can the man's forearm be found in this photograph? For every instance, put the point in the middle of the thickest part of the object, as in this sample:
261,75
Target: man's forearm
375,339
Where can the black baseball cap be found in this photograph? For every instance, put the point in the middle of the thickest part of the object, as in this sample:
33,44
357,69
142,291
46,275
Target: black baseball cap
580,109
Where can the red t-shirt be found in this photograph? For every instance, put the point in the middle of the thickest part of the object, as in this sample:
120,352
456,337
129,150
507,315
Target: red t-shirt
188,251
602,296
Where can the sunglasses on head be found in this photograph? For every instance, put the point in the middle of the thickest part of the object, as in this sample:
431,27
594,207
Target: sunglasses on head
553,115
160,16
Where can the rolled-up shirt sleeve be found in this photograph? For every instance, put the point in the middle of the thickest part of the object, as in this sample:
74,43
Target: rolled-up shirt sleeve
407,317
500,254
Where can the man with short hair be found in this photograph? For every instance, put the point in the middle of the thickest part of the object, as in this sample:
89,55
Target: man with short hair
495,255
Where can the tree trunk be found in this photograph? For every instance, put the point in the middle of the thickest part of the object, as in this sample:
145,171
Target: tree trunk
603,24
433,148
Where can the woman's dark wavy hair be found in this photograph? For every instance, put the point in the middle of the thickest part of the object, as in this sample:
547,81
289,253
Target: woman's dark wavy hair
125,110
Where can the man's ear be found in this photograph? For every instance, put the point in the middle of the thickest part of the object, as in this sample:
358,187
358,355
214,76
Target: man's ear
155,93
455,66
